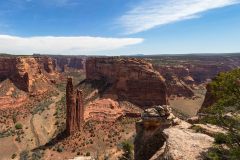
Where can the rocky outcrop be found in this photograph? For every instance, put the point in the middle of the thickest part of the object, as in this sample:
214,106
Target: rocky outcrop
108,110
103,110
210,129
160,135
131,79
25,72
182,143
48,64
150,138
75,108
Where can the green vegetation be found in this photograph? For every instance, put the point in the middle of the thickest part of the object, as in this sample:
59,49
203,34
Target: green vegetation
128,151
37,154
60,149
61,87
24,155
197,128
14,117
18,126
7,133
60,114
225,112
41,106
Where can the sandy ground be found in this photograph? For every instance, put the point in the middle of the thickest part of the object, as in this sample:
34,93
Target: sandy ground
44,124
38,130
188,107
7,148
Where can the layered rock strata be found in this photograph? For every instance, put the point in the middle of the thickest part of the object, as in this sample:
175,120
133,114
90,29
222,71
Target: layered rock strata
150,138
132,79
75,108
26,71
160,135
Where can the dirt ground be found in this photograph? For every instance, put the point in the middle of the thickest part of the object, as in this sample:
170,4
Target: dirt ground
37,130
188,106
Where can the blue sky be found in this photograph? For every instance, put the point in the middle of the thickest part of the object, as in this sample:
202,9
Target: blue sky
119,27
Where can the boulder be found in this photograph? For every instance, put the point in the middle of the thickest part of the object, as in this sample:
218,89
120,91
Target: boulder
160,135
184,144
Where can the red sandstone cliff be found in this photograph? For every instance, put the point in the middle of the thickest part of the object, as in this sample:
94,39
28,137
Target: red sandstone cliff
75,108
132,79
25,72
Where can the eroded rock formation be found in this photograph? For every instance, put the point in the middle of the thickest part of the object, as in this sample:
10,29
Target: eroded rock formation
178,80
149,130
132,79
160,135
75,108
26,71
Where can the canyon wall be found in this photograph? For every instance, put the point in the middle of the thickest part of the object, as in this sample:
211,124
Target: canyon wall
193,73
75,108
24,72
65,63
132,79
7,67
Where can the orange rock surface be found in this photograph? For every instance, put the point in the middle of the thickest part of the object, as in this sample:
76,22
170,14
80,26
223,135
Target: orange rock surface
132,79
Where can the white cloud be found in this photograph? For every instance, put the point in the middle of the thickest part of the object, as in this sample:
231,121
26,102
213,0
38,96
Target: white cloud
62,45
153,13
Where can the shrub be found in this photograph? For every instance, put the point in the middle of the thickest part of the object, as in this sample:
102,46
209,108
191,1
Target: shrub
24,155
225,112
18,126
128,151
221,138
60,149
14,117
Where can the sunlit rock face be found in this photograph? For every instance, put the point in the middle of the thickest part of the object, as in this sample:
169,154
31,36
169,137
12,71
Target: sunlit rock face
132,79
160,135
75,108
149,138
26,71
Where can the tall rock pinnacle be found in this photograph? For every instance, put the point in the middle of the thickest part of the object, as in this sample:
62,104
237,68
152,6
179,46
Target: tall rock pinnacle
75,110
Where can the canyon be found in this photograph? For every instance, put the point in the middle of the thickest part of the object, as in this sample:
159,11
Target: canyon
72,106
26,72
130,79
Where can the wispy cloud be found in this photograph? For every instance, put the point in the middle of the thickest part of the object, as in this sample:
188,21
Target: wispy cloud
62,45
153,13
